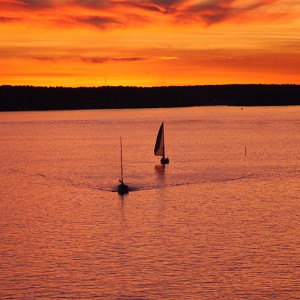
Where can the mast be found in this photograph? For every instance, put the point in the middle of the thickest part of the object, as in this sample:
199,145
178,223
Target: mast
122,188
121,160
163,140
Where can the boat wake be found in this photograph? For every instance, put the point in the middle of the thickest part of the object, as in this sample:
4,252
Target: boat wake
246,176
92,184
146,187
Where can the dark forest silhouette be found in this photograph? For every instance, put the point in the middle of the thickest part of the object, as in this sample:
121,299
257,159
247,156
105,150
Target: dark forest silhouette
14,98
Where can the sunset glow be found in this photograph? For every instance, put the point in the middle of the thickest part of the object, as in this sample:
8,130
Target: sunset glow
149,43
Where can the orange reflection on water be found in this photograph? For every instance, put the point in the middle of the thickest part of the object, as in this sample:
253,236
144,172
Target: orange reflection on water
214,223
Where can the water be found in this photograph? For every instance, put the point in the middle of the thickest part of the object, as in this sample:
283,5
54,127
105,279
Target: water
216,223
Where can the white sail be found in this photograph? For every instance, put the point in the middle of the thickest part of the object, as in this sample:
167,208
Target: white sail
159,145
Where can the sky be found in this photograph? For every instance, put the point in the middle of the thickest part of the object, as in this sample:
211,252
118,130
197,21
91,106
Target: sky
149,43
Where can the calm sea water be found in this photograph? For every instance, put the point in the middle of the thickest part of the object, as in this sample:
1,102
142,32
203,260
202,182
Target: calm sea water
218,222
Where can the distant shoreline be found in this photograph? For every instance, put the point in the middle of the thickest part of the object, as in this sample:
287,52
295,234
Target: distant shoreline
30,98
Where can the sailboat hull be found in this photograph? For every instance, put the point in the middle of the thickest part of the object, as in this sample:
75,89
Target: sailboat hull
164,161
123,189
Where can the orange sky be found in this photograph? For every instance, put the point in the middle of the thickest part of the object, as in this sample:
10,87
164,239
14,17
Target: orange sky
149,43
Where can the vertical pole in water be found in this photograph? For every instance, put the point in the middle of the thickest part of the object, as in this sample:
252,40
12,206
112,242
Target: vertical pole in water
245,151
121,160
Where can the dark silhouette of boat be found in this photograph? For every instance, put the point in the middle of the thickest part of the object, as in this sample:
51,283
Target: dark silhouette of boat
159,148
122,187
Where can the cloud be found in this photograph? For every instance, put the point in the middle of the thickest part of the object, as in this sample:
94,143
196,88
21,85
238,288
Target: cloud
211,12
7,19
102,60
94,3
50,59
97,21
90,60
168,57
36,4
159,6
74,58
215,11
132,12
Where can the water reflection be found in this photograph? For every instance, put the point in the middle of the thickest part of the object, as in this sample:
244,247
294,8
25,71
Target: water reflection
122,199
215,227
122,212
160,171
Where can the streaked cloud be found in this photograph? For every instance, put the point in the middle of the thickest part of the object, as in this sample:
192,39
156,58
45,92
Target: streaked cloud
36,3
118,12
168,57
134,41
7,19
97,21
102,60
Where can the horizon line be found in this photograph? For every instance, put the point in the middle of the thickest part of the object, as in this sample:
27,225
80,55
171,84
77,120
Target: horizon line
157,86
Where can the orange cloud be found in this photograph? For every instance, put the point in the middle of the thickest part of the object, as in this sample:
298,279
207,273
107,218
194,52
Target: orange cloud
123,13
99,60
76,42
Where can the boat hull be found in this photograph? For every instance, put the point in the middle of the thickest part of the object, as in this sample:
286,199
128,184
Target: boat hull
123,189
164,161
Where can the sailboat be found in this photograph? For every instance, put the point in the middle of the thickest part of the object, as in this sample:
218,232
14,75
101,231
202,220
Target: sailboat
122,187
159,148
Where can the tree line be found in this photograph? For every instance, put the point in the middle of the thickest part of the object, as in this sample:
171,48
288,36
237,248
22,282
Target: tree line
19,98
